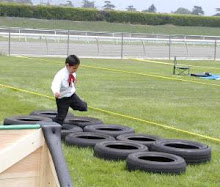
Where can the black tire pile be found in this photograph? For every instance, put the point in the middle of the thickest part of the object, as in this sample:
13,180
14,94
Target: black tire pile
114,142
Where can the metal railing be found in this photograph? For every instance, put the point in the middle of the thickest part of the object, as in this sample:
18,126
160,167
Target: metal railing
42,42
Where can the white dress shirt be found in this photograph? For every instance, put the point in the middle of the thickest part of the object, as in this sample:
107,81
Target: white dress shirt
60,84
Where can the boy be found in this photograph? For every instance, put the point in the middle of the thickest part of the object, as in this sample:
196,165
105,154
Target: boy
63,87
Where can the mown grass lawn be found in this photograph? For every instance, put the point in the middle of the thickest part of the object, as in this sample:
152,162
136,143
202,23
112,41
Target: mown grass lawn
191,106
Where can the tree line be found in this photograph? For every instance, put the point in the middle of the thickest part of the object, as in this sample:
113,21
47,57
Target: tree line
18,1
108,6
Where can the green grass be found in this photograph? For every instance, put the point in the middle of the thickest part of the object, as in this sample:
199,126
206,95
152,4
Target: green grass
185,105
105,26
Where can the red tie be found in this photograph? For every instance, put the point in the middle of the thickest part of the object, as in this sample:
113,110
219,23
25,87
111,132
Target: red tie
71,79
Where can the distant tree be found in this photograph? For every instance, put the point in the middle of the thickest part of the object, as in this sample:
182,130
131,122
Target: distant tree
151,8
146,10
108,6
131,8
197,10
8,1
88,4
68,4
182,11
218,12
47,3
24,1
18,1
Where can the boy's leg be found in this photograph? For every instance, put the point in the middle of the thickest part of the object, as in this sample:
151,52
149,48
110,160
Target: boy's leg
77,104
62,109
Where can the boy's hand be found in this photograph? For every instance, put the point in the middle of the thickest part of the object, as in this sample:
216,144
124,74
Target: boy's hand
56,95
75,81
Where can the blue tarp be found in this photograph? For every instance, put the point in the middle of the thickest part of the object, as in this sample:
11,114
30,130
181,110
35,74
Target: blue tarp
212,77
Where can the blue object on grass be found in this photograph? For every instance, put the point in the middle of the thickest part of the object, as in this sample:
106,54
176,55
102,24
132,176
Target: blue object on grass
212,77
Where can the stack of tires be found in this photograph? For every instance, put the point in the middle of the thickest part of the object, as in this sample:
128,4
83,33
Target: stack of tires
141,151
115,142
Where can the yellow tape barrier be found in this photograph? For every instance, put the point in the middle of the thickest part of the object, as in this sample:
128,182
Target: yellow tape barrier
134,73
165,63
121,115
150,75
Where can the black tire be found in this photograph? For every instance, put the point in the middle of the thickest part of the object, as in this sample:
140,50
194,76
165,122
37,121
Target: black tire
192,152
145,139
48,113
156,162
82,121
74,129
112,130
29,119
117,150
68,126
86,139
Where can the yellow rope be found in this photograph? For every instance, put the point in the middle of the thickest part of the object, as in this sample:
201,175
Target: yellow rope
137,73
165,63
151,75
121,115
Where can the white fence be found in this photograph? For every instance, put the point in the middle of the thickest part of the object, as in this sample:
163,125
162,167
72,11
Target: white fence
33,42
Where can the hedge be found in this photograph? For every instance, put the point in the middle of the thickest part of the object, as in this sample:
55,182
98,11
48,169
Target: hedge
82,14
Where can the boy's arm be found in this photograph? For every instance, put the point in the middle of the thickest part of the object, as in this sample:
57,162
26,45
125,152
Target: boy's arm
75,81
55,86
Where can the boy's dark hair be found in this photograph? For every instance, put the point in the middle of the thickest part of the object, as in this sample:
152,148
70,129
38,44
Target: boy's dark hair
72,60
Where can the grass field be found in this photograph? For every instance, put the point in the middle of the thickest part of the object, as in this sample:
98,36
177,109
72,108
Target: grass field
190,104
105,26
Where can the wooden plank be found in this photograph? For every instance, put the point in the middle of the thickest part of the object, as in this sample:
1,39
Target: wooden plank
43,166
26,160
19,182
8,137
48,176
16,151
53,171
27,167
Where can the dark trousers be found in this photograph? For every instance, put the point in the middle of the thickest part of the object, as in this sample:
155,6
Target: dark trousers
63,105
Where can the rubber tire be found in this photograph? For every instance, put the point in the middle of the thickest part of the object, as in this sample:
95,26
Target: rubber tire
156,162
192,152
112,130
145,139
74,129
117,150
68,126
48,113
82,121
86,139
29,119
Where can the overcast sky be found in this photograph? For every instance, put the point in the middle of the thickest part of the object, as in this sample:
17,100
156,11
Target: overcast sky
163,6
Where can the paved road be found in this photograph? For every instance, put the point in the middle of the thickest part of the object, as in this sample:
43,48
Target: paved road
109,50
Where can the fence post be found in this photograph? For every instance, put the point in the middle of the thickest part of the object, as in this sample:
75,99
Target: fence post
97,41
144,49
174,67
9,42
46,44
169,46
215,49
68,42
122,44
